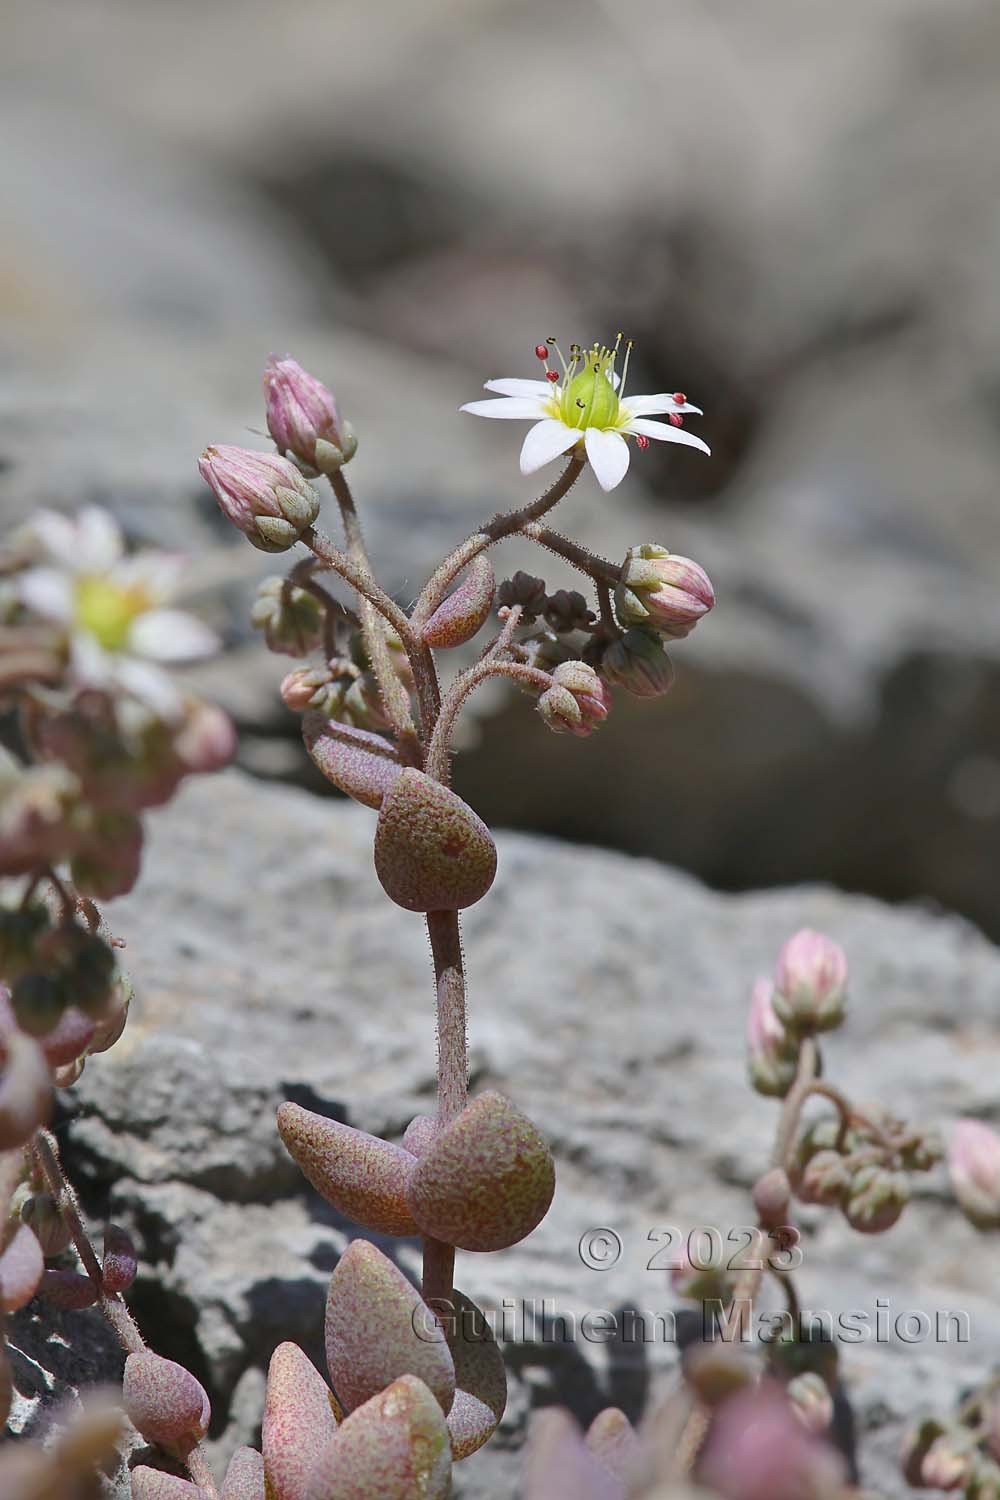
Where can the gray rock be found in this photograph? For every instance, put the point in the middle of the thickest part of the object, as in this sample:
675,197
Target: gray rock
608,999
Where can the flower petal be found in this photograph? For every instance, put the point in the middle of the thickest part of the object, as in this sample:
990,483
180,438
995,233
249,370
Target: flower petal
663,432
150,684
519,387
609,456
98,542
546,441
48,592
155,575
171,635
512,408
648,406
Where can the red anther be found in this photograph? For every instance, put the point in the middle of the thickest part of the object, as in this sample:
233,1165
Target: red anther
541,352
680,398
642,441
552,375
675,419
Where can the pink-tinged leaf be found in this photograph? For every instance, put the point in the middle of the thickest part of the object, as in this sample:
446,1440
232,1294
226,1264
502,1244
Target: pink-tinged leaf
466,610
25,1089
480,1377
69,1038
22,1266
394,1447
152,1484
68,1289
165,1402
300,1417
487,1179
362,1176
614,1442
245,1476
120,1259
378,1328
558,1466
432,852
359,763
419,1133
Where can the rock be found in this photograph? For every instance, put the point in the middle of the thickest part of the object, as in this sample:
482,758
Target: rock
608,1001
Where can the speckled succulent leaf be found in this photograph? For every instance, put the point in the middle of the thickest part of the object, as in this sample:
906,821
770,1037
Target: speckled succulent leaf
120,1261
614,1442
480,1377
360,764
165,1402
153,1484
419,1133
362,1176
378,1328
25,1089
300,1417
21,1269
393,1447
557,1462
487,1179
244,1477
465,611
432,852
68,1289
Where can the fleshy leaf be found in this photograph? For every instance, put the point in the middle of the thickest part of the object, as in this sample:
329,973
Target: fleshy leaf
165,1402
300,1417
153,1484
361,764
432,852
22,1266
419,1133
393,1447
362,1176
614,1442
68,1289
245,1476
487,1179
480,1377
120,1260
557,1462
465,611
378,1328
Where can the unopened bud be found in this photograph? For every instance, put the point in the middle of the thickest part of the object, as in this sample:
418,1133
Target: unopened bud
302,417
290,617
561,712
42,1216
717,1370
206,739
120,1260
576,684
811,1402
876,1198
567,610
637,662
772,1197
664,592
772,1055
109,864
974,1167
947,1464
263,495
825,1180
810,982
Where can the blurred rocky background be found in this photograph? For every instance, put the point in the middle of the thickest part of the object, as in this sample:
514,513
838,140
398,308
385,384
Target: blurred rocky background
792,210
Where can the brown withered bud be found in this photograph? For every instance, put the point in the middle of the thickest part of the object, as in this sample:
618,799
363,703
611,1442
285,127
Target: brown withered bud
109,864
487,1179
68,1289
394,1446
22,1267
567,610
291,618
480,1376
432,852
165,1402
525,590
244,1477
378,1328
358,763
301,1415
41,1214
120,1260
362,1176
465,611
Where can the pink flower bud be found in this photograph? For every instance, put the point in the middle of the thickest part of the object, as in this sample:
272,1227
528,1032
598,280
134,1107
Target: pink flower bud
263,495
637,662
301,414
771,1053
664,592
974,1166
206,741
810,982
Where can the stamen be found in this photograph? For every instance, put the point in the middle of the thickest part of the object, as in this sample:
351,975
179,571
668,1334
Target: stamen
675,419
541,352
680,398
628,356
641,440
552,375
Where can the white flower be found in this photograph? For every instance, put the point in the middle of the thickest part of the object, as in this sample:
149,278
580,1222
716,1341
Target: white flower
111,606
587,405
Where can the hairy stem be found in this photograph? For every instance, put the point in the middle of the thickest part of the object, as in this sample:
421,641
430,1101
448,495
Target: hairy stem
585,561
505,523
437,764
452,1069
394,696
